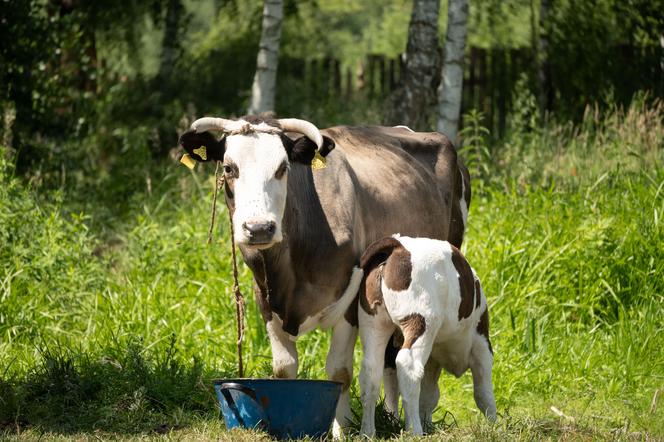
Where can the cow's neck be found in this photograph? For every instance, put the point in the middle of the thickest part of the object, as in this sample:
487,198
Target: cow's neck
292,268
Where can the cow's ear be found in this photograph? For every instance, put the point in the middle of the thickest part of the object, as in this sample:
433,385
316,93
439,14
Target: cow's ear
327,147
203,146
303,149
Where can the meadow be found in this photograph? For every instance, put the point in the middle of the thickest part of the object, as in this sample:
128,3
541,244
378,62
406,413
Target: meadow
115,315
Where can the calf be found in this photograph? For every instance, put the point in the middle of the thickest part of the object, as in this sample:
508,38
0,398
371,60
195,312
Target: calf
426,289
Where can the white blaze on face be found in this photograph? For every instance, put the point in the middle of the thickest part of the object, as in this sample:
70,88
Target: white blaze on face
260,196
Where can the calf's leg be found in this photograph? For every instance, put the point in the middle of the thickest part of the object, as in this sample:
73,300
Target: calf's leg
391,387
375,331
430,393
390,383
410,369
481,363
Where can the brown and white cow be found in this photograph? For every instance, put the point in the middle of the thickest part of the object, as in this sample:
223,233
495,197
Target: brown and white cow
426,289
302,230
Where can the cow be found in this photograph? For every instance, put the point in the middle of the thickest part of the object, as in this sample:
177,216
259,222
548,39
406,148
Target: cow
301,230
426,289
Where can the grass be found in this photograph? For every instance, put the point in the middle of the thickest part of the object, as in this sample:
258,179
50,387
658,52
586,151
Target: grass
113,328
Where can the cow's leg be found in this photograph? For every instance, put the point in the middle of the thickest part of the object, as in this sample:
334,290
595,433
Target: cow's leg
375,332
430,393
481,363
410,370
339,367
284,351
390,383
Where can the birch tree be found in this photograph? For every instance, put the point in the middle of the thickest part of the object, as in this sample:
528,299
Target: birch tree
414,99
451,85
264,87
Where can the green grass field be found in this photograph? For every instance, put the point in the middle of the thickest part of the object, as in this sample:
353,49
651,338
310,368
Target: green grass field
115,317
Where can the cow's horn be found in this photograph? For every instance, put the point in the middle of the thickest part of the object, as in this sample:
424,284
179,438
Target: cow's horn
303,127
221,124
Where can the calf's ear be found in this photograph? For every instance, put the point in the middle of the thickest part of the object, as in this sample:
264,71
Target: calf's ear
303,149
203,146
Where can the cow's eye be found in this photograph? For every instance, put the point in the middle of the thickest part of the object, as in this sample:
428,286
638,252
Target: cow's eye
230,170
281,171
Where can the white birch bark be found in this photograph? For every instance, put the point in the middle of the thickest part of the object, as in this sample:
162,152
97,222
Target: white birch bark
451,85
263,90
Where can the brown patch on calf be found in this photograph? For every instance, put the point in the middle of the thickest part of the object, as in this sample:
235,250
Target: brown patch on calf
412,326
483,327
342,375
398,269
371,295
466,283
386,259
373,262
378,252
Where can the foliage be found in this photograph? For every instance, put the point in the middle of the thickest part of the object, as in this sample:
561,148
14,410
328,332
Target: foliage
347,30
603,50
496,23
474,148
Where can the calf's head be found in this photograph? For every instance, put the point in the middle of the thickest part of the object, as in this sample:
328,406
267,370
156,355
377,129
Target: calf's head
256,156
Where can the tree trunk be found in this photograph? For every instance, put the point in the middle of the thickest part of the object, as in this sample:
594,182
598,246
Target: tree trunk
171,42
413,101
264,87
451,86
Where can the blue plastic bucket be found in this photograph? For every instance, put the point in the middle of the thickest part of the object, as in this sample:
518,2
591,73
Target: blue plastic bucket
285,408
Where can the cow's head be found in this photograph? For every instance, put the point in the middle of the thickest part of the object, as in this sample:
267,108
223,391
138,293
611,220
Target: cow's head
256,156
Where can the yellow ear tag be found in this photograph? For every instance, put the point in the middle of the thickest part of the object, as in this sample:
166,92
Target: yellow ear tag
318,162
188,161
201,152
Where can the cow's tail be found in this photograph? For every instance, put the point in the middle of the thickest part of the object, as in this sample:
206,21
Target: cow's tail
333,313
466,193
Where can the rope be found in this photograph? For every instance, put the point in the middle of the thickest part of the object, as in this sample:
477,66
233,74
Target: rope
239,299
218,182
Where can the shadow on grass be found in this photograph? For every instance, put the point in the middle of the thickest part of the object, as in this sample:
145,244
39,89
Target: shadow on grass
127,391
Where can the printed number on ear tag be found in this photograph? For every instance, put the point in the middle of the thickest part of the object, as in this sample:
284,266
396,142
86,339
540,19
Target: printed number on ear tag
188,161
318,162
201,152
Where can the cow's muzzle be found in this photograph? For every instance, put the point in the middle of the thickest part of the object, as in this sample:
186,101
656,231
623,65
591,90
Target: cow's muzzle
259,233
